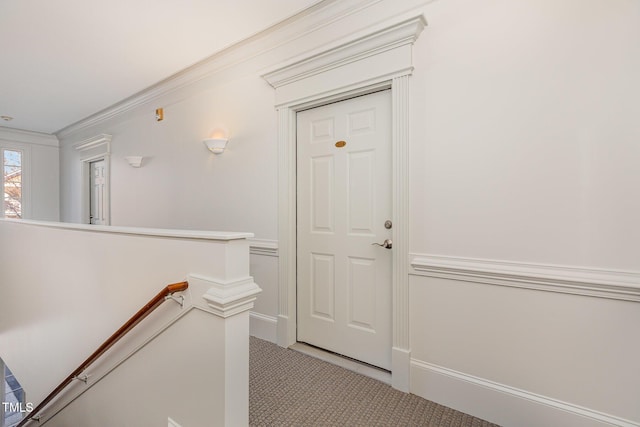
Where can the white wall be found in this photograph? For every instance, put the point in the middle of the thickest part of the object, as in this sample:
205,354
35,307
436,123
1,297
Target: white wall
264,269
180,184
157,382
524,149
524,129
41,166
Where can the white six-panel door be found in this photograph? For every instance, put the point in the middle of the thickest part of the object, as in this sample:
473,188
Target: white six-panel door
344,199
97,195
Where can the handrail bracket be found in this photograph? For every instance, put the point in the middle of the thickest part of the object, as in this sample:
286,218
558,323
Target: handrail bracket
179,299
83,378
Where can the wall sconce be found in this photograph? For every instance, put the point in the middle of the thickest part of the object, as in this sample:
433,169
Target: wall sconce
215,145
134,161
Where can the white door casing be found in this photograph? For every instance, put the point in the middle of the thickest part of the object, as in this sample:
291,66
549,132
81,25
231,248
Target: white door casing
344,199
92,150
350,67
97,193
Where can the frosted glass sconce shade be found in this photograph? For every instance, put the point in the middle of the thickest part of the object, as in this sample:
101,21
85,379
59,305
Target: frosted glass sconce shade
134,161
216,145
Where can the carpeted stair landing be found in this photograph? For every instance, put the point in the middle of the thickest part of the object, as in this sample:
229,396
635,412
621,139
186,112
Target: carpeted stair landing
288,388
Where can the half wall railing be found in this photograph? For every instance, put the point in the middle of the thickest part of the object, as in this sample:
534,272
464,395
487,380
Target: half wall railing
155,302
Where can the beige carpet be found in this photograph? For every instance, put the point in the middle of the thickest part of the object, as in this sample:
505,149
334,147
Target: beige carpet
288,388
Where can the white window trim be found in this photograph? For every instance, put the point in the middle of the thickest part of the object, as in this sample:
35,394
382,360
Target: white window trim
26,175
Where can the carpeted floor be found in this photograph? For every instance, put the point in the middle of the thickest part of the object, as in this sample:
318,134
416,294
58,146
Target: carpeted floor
288,388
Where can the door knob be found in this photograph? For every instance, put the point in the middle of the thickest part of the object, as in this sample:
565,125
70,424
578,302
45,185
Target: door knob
387,244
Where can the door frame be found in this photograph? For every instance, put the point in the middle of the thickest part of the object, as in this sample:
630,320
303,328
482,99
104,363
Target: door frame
88,188
381,60
92,150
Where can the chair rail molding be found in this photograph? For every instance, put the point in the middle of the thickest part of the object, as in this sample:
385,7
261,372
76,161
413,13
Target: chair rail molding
612,284
374,59
263,247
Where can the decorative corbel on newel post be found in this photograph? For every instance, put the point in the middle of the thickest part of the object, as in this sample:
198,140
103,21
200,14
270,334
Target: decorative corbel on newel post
229,298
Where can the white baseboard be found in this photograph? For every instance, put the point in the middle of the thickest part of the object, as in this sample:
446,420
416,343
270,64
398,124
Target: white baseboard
502,404
263,327
400,368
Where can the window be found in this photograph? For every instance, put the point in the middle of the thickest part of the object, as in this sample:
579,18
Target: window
12,183
13,399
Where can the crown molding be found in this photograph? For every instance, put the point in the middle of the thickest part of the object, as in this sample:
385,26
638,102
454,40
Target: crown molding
28,137
322,14
612,284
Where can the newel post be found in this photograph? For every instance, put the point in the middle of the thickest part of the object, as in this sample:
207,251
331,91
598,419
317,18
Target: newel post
230,298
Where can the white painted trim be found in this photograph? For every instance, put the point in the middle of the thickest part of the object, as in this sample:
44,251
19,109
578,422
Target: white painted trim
263,247
328,77
94,142
371,45
27,174
401,369
263,326
613,284
287,225
28,137
351,69
400,92
94,149
86,185
227,298
157,232
499,403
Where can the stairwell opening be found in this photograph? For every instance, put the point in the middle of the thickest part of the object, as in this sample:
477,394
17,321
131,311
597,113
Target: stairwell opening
14,405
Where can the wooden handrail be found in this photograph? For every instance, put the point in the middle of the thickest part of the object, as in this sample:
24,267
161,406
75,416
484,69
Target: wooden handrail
130,324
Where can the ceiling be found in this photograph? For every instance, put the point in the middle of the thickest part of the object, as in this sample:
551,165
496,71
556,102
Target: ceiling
62,61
